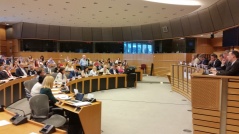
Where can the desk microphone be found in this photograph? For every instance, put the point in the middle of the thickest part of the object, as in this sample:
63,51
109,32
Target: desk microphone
24,115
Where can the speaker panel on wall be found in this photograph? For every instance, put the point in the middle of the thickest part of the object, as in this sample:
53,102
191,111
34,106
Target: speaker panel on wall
205,20
233,6
54,32
136,32
76,33
195,23
127,33
87,34
117,34
216,19
225,13
107,34
176,25
156,31
29,30
65,33
42,31
186,26
147,32
97,34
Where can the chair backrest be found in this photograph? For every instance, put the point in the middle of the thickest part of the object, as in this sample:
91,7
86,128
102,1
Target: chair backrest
143,66
39,105
54,75
27,85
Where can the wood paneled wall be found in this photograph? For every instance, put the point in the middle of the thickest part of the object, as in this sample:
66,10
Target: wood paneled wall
3,42
203,45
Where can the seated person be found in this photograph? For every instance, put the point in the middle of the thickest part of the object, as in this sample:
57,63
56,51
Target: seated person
3,74
47,85
93,72
37,87
7,70
214,62
48,68
114,70
40,72
31,71
233,68
20,71
203,59
85,72
57,68
120,69
61,76
105,70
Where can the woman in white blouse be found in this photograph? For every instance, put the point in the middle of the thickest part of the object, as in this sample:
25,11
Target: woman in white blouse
93,72
69,67
61,76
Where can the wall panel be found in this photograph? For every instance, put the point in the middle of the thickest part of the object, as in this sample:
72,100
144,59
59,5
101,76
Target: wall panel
225,13
29,30
9,33
87,34
117,33
65,33
206,21
176,26
136,32
127,36
97,34
147,32
17,30
195,23
76,33
233,5
107,34
156,30
186,26
42,31
54,32
168,33
216,19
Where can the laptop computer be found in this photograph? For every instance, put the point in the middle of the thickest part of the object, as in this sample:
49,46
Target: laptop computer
100,73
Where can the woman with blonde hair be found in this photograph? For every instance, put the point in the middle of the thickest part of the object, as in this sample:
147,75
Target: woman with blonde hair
47,85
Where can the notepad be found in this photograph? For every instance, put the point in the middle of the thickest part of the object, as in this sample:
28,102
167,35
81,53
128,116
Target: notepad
4,122
54,89
62,96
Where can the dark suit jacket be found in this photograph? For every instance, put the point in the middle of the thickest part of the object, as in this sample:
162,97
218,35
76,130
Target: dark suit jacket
19,72
204,62
3,75
231,70
112,71
216,65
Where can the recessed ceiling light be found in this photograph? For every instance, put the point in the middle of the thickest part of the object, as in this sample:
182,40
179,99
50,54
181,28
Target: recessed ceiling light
163,8
201,35
177,2
67,2
100,11
125,10
64,8
95,3
50,4
128,4
140,11
181,9
23,3
83,7
7,24
133,15
13,7
145,6
30,11
109,7
5,10
117,14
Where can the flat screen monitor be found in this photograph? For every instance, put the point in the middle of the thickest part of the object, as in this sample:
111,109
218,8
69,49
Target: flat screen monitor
230,37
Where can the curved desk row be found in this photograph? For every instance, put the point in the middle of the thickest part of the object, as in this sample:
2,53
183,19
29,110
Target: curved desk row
215,100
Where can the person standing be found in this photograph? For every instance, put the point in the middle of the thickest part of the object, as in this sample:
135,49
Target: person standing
83,62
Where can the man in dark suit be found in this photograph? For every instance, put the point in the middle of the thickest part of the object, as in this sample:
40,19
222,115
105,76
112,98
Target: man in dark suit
203,59
20,71
31,71
114,70
233,67
214,62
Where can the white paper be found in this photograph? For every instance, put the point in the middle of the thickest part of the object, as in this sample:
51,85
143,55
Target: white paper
211,74
55,89
4,122
56,92
78,104
62,96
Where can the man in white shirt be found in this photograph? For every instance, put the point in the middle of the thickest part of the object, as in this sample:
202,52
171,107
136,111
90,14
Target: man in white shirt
37,87
83,62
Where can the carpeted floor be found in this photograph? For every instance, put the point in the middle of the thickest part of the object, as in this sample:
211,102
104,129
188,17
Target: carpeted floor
151,108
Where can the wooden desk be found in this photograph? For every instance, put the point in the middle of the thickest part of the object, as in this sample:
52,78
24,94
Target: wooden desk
27,128
13,91
215,99
90,116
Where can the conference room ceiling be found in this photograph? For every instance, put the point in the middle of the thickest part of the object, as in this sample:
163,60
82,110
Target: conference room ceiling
93,13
